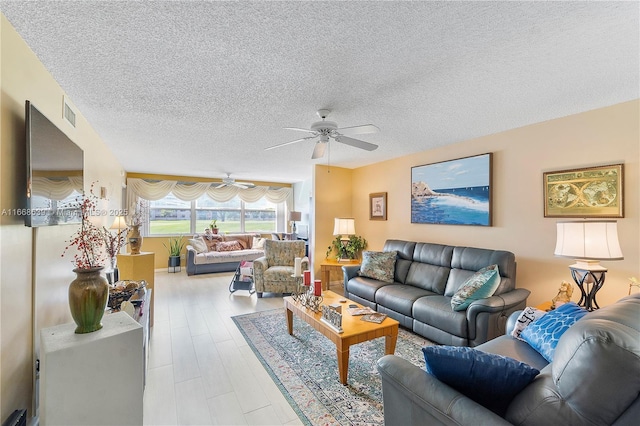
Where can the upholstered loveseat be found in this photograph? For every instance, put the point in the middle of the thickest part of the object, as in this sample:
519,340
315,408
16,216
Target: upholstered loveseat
593,379
426,277
218,253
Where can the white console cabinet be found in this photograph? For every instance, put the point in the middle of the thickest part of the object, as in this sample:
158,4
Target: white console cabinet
94,378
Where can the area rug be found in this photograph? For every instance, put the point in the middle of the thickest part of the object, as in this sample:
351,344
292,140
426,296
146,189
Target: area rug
305,368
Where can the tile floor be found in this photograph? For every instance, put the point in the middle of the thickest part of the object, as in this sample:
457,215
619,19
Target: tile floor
201,370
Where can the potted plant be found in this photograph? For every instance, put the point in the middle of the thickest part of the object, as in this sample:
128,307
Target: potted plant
213,226
347,249
175,249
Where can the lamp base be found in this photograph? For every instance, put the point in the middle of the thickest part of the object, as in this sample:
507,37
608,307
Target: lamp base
589,281
588,265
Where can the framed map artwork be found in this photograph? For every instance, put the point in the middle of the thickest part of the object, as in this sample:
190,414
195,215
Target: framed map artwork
589,192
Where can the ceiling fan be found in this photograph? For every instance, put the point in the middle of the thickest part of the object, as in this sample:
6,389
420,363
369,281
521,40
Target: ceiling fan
329,129
229,181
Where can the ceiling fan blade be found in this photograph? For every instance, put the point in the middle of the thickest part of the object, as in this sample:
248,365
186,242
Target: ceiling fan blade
299,129
318,151
289,143
244,185
220,185
359,130
356,143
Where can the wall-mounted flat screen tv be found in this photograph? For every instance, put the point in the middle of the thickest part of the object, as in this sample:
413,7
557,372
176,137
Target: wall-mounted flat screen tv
54,173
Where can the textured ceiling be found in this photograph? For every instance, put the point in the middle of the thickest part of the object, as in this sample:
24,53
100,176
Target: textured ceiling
201,88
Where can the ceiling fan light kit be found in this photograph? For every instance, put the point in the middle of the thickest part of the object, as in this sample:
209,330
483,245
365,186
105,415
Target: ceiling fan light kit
229,181
324,130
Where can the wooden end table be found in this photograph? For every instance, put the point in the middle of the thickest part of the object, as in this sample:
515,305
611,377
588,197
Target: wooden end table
328,265
354,329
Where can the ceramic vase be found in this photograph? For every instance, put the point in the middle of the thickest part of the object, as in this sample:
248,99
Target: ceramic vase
135,239
88,296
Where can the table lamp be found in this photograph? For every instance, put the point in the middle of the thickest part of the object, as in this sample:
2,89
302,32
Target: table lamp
293,218
344,227
119,224
588,242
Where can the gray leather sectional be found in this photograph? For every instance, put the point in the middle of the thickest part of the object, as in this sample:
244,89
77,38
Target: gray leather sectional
426,276
593,379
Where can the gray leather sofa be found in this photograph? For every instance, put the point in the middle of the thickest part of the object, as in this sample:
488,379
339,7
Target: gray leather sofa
426,277
594,379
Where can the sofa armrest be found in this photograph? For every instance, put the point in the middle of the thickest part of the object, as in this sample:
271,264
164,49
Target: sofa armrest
349,271
411,396
259,266
487,318
191,260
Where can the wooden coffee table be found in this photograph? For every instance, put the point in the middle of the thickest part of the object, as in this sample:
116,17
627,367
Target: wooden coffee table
354,329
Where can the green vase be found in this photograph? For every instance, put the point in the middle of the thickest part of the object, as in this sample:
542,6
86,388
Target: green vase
88,295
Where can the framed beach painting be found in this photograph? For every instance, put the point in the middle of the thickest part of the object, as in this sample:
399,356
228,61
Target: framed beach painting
584,193
455,192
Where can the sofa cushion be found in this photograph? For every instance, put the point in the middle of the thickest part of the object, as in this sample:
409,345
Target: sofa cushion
543,335
436,311
229,245
526,317
258,243
480,285
212,241
472,259
428,277
283,253
278,273
378,265
400,297
198,245
404,260
365,288
489,379
507,345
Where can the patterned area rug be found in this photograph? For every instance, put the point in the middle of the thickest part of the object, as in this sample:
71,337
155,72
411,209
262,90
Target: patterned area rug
305,368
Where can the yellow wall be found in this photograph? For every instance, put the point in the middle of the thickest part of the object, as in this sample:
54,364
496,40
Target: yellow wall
34,277
332,198
520,157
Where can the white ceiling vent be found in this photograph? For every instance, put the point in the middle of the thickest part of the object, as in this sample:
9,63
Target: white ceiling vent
68,111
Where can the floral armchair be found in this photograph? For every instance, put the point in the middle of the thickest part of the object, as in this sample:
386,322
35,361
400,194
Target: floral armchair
273,272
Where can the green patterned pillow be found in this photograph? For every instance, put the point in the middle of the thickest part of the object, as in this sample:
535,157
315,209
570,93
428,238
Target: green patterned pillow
378,265
480,285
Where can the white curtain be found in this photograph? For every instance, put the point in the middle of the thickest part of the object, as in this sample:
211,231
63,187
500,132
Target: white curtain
56,189
140,188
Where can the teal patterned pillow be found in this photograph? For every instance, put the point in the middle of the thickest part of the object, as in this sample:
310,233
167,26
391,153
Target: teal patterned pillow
378,265
480,285
544,333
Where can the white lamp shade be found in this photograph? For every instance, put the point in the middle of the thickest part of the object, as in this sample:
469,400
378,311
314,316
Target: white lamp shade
597,240
119,223
295,216
344,226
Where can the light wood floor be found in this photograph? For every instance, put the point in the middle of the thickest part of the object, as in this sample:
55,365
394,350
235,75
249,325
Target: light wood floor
201,370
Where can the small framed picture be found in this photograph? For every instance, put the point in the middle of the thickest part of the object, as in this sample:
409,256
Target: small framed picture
378,206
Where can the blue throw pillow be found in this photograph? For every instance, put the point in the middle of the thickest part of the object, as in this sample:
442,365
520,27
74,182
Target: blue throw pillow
480,285
544,333
489,379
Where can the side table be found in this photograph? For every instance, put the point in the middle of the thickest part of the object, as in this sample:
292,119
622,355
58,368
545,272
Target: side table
93,378
138,267
544,306
332,265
